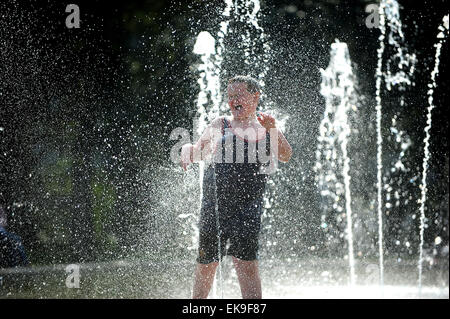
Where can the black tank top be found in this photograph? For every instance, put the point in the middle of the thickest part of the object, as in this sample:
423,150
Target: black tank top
240,179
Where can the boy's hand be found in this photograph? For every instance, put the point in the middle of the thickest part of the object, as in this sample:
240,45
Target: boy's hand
266,120
186,155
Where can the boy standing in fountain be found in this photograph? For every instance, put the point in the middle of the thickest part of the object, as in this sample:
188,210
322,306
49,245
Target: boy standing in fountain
240,147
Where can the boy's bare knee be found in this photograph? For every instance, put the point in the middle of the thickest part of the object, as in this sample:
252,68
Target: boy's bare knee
206,271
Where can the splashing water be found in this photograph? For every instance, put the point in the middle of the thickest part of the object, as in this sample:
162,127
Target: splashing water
338,90
295,278
442,37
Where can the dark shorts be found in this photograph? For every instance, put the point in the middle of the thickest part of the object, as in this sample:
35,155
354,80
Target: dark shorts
239,230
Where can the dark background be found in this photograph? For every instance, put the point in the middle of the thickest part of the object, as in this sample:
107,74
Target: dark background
85,111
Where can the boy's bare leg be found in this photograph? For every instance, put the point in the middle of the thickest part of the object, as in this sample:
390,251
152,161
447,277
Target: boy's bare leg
204,277
248,275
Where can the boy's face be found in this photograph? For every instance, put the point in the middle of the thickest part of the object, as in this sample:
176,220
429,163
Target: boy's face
242,103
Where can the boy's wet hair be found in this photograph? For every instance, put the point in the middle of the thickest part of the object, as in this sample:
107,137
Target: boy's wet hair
252,84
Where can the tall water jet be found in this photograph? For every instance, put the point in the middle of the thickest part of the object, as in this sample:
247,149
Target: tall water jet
399,70
396,72
247,12
401,60
337,88
210,86
379,76
442,37
395,67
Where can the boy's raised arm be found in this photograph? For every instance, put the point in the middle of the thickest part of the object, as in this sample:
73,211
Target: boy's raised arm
283,150
193,153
